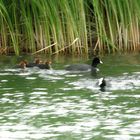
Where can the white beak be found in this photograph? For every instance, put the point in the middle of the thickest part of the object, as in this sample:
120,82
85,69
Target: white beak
101,62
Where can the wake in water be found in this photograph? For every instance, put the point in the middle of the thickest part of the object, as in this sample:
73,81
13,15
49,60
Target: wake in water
78,80
125,82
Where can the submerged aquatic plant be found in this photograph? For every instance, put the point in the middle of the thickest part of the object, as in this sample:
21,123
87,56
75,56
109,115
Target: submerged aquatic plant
69,26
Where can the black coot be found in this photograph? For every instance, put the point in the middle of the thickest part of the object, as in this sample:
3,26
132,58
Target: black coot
85,67
102,84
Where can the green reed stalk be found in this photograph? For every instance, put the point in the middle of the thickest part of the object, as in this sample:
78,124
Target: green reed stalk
9,30
117,24
73,26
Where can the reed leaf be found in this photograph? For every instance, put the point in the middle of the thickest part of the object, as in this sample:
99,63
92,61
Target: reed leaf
100,26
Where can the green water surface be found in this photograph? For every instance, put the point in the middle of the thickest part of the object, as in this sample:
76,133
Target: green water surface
60,105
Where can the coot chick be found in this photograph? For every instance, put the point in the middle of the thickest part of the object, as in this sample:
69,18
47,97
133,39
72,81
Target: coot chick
102,84
34,64
21,65
46,65
85,67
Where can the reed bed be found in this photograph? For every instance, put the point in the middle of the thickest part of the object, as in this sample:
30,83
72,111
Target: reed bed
69,26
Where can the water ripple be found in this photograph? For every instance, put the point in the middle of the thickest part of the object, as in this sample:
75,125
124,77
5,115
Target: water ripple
113,83
72,107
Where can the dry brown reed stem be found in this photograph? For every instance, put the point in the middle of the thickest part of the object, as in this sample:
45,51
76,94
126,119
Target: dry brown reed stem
66,46
44,48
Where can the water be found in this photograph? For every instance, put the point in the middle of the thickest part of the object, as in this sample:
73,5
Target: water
59,105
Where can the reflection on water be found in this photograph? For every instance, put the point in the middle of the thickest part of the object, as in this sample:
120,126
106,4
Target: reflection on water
57,104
